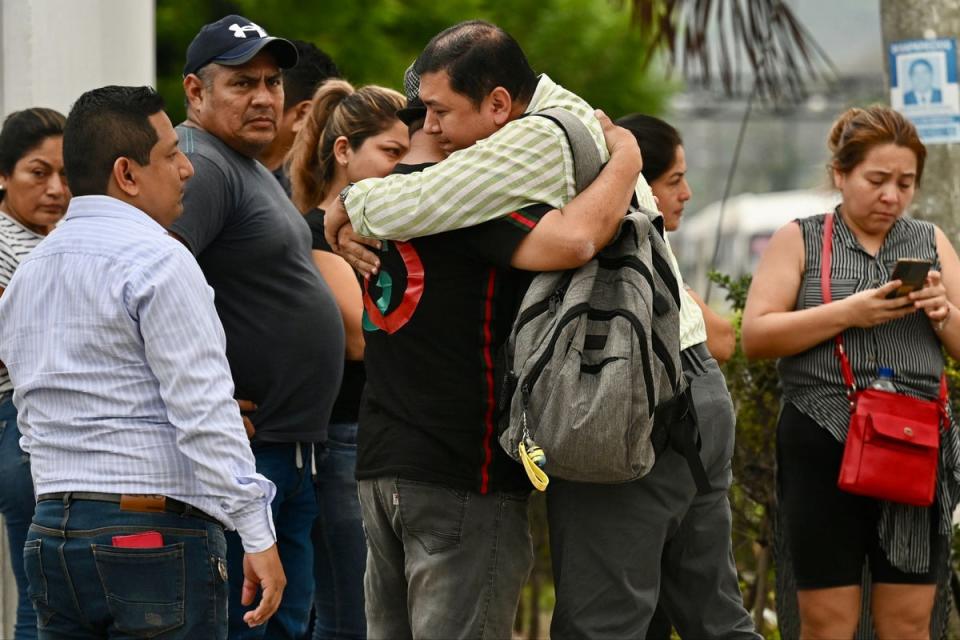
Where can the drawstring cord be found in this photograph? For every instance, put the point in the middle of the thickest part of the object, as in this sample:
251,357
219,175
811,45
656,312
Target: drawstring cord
313,459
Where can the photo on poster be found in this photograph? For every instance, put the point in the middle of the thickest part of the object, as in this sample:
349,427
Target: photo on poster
923,86
925,80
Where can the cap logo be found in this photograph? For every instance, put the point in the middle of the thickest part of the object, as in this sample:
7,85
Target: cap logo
238,31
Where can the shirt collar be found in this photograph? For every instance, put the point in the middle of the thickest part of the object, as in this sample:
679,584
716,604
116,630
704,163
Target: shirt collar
545,87
843,232
109,207
850,241
10,220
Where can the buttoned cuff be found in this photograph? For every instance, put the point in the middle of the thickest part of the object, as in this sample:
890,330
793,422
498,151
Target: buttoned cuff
355,204
255,526
254,522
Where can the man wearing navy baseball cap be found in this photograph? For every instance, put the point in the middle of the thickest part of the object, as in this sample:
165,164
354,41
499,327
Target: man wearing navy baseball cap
284,332
233,41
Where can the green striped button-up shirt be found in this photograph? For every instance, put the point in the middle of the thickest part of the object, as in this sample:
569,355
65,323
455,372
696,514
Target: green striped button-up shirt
526,162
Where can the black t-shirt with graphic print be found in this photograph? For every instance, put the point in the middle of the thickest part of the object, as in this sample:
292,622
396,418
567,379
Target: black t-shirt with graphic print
436,316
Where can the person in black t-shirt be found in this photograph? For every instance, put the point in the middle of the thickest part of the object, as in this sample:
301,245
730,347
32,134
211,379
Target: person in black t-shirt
444,508
299,84
348,135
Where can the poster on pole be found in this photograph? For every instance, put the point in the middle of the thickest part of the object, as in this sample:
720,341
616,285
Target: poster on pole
923,86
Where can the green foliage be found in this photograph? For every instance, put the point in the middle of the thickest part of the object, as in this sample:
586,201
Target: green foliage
952,369
588,46
754,387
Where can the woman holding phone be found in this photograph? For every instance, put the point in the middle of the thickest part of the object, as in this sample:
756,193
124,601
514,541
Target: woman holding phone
877,163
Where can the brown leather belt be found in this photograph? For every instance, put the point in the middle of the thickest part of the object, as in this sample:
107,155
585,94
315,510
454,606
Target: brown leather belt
133,502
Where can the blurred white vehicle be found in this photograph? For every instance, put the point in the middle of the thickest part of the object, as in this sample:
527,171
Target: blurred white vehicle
748,222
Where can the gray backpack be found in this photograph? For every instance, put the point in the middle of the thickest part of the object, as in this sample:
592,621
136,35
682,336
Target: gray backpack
592,365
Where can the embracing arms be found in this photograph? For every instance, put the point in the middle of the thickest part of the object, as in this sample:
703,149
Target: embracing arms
569,237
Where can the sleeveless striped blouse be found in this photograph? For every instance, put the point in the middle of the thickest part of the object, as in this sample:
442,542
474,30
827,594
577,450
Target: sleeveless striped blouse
812,381
16,241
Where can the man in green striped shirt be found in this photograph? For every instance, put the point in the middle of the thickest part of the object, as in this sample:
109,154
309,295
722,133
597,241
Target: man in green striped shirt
525,161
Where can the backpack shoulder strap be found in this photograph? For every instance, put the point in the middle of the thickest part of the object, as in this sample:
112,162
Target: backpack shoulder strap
586,156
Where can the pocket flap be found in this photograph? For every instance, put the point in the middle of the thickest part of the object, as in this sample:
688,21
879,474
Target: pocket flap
904,430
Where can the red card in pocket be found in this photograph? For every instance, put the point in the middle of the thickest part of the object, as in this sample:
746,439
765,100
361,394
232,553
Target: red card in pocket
145,540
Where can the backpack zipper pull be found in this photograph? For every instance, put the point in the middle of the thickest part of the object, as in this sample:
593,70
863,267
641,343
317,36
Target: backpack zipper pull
531,455
507,389
555,299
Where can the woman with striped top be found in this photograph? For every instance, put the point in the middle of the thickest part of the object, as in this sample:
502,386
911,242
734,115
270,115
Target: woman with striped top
33,198
877,164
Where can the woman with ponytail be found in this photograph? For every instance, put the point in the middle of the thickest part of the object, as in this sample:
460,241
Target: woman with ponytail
350,134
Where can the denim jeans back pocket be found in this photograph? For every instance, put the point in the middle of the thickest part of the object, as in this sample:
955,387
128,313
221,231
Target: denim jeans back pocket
144,588
34,569
432,513
36,580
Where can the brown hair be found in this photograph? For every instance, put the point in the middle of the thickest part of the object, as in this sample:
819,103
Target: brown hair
26,130
857,131
338,110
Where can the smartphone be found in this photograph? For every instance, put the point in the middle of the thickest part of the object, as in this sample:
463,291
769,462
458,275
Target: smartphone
912,273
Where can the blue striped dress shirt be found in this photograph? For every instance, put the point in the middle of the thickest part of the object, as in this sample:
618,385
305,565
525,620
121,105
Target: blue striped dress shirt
116,353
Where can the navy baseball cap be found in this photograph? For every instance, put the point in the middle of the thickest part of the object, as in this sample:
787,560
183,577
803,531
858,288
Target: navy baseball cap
235,40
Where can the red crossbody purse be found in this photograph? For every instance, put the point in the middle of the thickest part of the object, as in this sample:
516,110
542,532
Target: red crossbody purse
893,440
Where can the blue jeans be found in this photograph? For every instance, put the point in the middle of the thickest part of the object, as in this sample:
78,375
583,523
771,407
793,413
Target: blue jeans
83,587
16,505
294,511
339,546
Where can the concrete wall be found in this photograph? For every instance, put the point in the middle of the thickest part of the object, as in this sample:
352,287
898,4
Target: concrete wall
54,50
51,51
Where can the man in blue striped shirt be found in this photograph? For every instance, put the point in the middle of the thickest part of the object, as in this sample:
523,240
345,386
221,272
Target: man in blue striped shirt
138,452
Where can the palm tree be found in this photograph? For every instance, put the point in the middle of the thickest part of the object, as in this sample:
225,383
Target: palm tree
760,41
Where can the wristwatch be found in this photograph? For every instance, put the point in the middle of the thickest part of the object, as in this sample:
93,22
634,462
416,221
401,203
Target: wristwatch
343,194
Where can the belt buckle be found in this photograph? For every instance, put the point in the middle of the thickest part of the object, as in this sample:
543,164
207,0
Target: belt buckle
143,503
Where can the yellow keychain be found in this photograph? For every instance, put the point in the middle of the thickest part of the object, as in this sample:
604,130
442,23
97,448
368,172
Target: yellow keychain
533,459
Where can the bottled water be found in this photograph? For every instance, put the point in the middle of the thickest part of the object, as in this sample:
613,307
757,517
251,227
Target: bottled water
884,380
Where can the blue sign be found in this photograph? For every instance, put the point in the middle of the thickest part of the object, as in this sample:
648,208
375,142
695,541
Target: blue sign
923,86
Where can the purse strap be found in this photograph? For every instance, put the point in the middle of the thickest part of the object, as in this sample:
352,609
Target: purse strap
845,368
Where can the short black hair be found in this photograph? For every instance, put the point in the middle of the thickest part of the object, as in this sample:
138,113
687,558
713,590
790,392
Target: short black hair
415,125
105,124
479,56
921,62
658,143
312,69
26,130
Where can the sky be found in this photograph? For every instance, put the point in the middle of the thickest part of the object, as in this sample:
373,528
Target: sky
830,22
